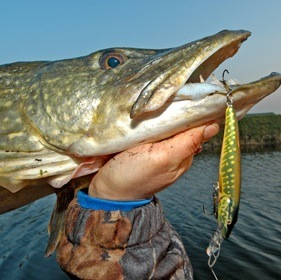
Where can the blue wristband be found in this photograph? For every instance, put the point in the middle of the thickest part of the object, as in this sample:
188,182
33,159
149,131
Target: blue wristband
94,203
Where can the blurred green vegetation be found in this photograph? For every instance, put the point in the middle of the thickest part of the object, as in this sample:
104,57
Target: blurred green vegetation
260,130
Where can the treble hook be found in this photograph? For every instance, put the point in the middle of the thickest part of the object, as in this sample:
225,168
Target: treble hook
215,202
222,76
212,260
214,249
206,212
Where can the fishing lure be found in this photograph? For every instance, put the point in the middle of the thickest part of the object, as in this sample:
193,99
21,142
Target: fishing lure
227,190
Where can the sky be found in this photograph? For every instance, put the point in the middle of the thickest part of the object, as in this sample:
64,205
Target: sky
57,29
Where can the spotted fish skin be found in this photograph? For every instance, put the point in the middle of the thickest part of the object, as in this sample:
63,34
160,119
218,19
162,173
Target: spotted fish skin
229,174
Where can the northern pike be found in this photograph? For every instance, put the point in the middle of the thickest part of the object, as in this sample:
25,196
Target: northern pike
62,120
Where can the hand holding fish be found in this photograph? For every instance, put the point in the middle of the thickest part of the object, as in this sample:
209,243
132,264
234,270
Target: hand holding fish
144,170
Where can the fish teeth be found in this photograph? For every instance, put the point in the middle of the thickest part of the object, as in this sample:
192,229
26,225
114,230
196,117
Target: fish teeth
230,82
216,81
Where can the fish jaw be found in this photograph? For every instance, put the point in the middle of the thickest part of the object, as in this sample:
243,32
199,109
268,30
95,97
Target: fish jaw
188,64
192,105
247,95
213,95
142,94
181,112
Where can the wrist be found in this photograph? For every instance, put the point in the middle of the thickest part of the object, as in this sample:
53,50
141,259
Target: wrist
106,190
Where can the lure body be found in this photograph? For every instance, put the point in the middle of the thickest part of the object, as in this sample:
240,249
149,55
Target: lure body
229,174
228,189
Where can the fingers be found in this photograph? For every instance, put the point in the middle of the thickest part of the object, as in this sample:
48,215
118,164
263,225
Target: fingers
188,143
172,157
147,169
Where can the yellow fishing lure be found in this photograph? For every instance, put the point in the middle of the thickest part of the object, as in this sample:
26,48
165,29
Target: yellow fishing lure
227,190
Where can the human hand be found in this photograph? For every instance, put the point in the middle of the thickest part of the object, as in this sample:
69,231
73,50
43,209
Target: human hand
144,170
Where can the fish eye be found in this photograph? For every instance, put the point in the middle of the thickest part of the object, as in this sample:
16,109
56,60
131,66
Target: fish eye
112,59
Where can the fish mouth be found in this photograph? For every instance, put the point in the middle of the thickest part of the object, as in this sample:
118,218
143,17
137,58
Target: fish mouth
183,71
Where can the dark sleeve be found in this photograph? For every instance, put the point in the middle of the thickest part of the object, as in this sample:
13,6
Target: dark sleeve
134,245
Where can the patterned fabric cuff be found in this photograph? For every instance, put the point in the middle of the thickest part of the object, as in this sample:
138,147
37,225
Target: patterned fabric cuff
93,203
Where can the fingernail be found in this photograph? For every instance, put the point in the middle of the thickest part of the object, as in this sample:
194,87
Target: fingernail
211,130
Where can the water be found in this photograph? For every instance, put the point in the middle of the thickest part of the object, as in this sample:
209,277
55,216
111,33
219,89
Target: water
253,251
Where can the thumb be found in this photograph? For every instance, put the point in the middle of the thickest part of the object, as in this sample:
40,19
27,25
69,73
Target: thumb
190,142
210,131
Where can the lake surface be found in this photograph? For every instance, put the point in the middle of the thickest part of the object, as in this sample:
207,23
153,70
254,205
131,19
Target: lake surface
253,250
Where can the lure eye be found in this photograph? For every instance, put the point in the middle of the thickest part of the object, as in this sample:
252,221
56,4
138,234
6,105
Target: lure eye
110,60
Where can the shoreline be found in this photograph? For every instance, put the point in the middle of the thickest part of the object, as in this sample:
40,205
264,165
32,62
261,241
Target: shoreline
257,132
